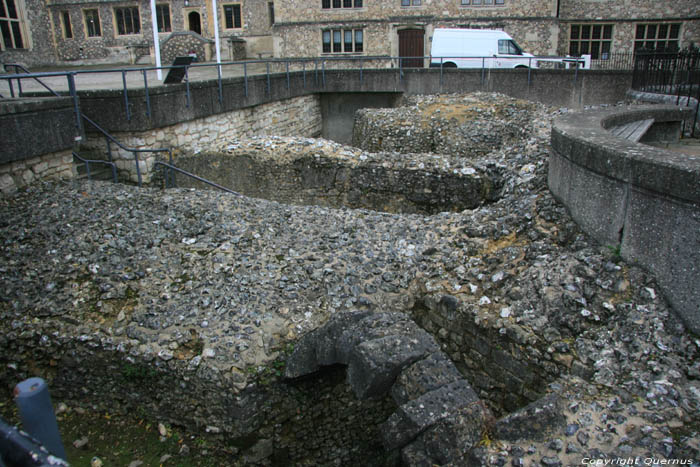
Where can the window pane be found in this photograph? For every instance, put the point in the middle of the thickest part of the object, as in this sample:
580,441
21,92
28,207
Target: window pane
347,39
228,16
237,16
606,48
585,32
358,3
651,31
663,31
476,2
573,49
347,3
488,2
640,31
17,34
405,2
325,3
336,42
607,32
359,40
2,10
465,2
597,31
500,2
416,2
67,29
6,35
336,3
575,31
584,47
326,41
675,31
594,50
11,10
660,45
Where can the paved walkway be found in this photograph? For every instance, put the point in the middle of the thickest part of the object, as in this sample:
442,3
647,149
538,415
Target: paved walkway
105,77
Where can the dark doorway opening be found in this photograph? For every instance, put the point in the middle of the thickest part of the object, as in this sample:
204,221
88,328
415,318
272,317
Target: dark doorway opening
194,22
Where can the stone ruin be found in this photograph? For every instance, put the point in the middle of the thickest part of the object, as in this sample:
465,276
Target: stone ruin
324,326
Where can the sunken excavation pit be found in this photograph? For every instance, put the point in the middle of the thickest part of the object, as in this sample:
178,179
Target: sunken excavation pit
414,300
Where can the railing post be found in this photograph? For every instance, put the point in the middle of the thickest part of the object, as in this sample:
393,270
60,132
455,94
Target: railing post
138,168
187,86
245,78
76,104
323,72
12,88
441,73
287,65
316,72
303,68
109,149
126,97
483,70
148,98
267,72
361,69
529,75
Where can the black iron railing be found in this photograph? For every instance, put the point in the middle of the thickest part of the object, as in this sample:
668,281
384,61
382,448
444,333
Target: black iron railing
670,73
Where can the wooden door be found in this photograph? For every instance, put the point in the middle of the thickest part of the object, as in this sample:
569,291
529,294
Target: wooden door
411,45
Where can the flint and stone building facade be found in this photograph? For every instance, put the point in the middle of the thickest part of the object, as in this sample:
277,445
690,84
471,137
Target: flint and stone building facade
119,31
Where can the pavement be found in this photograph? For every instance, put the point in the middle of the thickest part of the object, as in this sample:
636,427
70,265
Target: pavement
117,76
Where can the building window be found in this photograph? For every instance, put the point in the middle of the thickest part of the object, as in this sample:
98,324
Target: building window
163,18
127,19
410,2
92,23
10,26
232,16
591,39
328,4
659,36
67,29
271,10
343,41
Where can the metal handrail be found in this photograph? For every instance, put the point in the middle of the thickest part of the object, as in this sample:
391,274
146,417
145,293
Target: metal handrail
87,163
18,448
171,167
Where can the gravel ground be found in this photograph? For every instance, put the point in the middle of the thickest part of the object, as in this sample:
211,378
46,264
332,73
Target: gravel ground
207,279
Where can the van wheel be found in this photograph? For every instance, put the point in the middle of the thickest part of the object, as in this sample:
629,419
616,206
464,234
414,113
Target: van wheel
449,65
522,67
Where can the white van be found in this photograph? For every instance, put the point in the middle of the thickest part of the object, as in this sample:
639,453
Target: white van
474,48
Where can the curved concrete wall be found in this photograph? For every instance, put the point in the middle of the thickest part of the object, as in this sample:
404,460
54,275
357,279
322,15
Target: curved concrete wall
642,199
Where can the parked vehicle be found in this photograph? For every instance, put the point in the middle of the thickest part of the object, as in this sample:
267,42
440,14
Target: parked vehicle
476,48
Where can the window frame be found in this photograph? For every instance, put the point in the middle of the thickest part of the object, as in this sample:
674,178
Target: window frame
598,45
482,3
330,5
66,24
131,22
332,46
641,43
12,27
225,18
86,23
411,3
161,19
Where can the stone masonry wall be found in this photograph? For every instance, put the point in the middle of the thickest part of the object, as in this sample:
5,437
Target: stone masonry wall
19,174
300,116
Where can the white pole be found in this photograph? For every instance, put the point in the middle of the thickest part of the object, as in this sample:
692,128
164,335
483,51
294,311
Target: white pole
216,32
156,42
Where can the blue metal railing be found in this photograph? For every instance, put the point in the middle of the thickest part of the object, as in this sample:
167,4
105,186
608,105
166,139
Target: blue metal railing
19,449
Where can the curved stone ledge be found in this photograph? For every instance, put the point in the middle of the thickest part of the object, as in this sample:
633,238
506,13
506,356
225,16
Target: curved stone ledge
641,200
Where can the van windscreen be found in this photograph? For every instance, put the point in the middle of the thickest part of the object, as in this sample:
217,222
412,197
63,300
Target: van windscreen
508,47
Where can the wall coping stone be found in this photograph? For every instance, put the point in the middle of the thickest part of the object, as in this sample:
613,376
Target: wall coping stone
583,138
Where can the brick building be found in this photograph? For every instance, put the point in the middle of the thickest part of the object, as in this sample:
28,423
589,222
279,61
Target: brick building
119,31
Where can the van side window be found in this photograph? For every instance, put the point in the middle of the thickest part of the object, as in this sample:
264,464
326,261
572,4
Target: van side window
508,47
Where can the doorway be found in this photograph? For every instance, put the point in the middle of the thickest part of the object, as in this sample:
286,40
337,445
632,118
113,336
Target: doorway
194,22
411,45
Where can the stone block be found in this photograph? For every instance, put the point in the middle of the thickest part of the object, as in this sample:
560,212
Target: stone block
373,326
417,415
327,340
374,365
450,438
428,374
533,421
303,360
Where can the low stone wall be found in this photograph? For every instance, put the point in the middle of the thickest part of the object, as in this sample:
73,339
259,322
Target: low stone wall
642,201
300,116
19,174
36,137
318,172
